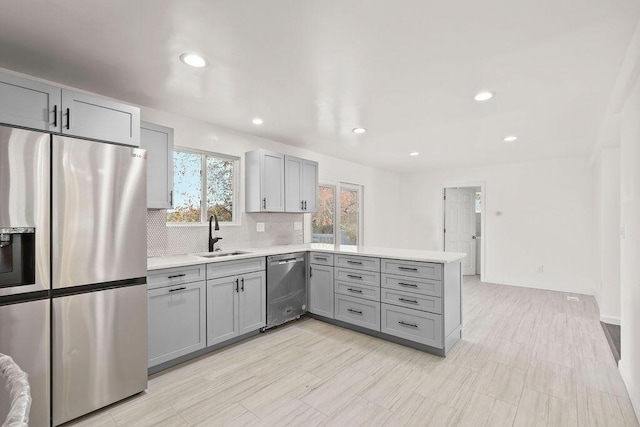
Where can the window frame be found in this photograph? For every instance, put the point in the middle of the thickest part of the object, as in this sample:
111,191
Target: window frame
203,192
337,187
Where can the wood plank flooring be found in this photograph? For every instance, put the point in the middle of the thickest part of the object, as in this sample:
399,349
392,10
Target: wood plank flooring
528,358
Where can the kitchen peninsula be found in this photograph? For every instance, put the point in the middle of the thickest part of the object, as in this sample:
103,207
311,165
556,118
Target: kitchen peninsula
410,297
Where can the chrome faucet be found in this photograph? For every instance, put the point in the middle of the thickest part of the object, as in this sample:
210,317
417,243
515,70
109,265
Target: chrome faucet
213,240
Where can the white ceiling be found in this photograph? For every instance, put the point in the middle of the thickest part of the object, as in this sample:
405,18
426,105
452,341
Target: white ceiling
314,69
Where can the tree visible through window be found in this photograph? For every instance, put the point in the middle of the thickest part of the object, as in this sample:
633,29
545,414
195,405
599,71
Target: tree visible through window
198,177
346,207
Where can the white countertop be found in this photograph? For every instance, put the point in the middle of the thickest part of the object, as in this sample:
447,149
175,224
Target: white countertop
156,263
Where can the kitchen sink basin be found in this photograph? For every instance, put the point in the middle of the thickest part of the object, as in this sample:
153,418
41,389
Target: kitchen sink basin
223,254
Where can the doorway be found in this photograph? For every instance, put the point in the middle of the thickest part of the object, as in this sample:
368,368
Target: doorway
463,226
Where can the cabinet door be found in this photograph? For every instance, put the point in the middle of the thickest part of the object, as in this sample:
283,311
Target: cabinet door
310,185
222,309
177,321
29,104
321,290
96,118
158,141
253,302
272,183
293,184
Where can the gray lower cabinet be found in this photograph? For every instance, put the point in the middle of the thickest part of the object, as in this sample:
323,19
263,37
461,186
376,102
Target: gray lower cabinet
358,311
236,305
422,327
158,141
321,290
29,104
176,320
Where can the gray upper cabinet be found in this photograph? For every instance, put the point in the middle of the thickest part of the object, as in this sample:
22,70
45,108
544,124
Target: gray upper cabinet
301,185
96,118
158,141
264,180
29,104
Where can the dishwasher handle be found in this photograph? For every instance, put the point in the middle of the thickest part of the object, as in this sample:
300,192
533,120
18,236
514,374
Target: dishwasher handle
286,259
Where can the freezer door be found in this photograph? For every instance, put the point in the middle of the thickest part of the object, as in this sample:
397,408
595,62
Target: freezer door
99,350
99,212
24,335
24,211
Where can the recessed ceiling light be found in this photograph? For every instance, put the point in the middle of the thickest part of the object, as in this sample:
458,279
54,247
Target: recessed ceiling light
257,121
510,138
193,60
414,153
483,96
359,130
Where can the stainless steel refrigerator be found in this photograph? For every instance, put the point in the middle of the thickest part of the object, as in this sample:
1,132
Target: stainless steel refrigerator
84,203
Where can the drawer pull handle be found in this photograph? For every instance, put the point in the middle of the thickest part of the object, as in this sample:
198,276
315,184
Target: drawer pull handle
408,285
55,116
177,275
354,311
411,325
351,276
321,257
408,268
355,290
408,300
354,262
177,289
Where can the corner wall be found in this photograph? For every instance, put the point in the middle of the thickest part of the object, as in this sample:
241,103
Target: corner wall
536,213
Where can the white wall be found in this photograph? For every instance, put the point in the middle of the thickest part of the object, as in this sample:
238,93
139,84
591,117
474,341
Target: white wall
630,244
606,216
381,188
536,213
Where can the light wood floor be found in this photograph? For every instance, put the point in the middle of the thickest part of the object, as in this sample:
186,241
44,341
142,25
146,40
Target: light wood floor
528,357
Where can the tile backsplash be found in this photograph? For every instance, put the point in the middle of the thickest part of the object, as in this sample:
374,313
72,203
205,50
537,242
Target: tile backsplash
165,240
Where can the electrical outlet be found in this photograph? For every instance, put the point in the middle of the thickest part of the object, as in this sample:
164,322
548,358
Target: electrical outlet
575,299
260,227
297,225
541,269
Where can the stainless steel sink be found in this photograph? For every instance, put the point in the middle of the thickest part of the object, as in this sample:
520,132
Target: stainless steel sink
223,254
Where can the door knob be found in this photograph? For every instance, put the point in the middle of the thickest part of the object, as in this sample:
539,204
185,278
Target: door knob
473,237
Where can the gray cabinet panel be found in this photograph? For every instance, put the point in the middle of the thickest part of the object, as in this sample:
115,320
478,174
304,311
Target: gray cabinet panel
413,301
222,309
359,277
177,321
409,284
413,325
321,258
272,165
229,268
321,290
293,184
426,270
358,262
96,118
253,302
175,276
349,288
310,185
28,103
158,141
358,311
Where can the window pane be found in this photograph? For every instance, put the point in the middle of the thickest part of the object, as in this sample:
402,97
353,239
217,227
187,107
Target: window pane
187,187
478,203
220,188
323,220
349,208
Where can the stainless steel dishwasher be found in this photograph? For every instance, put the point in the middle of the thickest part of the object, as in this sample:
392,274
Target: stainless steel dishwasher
286,288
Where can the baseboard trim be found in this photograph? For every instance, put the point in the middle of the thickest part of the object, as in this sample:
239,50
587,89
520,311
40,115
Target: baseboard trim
543,286
611,320
634,394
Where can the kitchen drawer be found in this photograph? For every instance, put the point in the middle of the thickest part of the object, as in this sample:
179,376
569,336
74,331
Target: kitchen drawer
321,258
413,325
417,286
414,301
357,277
366,292
426,270
359,262
358,311
232,268
175,276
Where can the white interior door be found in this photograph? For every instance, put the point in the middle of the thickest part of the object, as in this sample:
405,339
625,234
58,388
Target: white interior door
460,225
